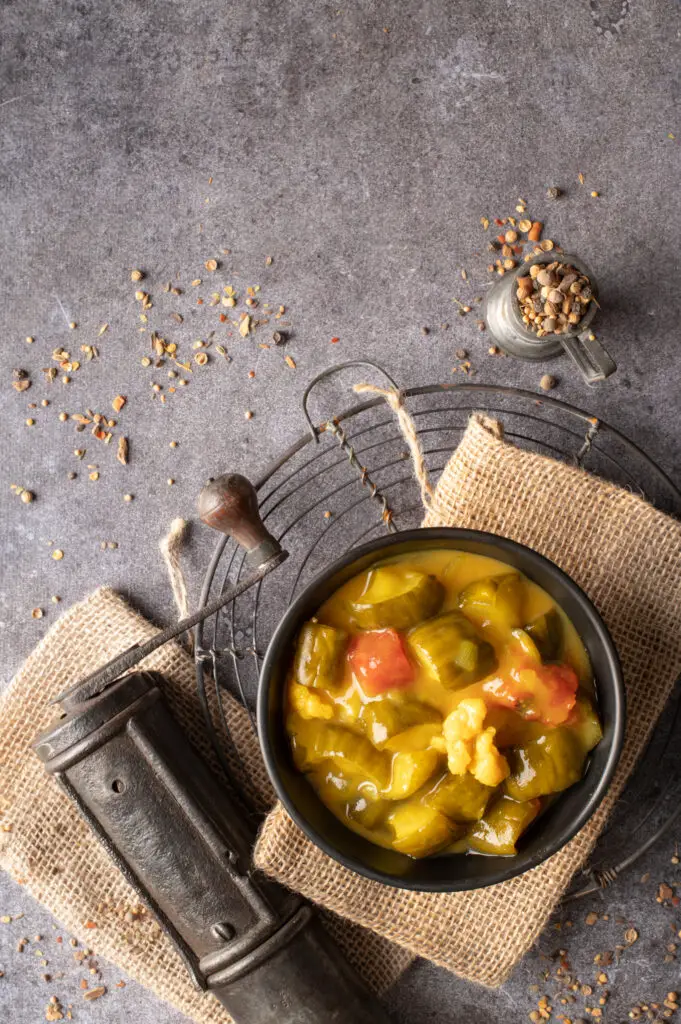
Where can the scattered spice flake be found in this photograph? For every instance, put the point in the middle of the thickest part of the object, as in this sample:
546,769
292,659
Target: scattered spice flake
269,260
290,361
664,892
211,265
128,497
630,936
53,1010
245,326
534,234
120,984
248,414
95,993
57,554
464,275
37,613
196,282
334,341
591,918
21,385
485,223
581,178
201,358
122,452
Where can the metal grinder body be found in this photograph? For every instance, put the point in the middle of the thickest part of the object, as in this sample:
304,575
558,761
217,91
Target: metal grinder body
184,842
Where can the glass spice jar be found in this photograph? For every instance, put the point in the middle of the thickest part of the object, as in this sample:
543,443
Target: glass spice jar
505,324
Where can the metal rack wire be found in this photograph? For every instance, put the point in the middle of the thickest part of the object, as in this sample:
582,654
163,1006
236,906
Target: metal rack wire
349,478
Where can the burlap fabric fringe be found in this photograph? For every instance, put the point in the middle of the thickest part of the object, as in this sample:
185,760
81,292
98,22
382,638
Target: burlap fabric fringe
627,557
60,862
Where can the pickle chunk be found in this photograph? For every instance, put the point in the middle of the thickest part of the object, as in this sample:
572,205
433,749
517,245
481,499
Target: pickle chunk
585,724
352,754
420,830
410,770
501,828
368,813
546,765
547,633
450,649
495,601
383,719
398,598
318,656
460,797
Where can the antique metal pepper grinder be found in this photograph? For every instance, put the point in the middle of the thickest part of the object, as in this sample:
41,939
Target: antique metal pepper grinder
183,840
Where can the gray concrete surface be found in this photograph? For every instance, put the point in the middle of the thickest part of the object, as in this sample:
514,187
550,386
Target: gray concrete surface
358,146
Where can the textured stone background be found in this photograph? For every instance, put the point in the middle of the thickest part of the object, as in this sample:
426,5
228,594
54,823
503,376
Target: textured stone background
359,147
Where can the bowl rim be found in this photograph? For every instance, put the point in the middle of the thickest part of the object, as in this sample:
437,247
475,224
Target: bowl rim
284,632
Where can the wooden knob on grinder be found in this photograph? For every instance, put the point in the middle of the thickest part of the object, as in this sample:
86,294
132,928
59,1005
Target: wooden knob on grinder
229,504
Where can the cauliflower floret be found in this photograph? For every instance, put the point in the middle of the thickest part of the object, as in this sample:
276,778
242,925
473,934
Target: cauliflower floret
465,721
468,747
488,765
310,704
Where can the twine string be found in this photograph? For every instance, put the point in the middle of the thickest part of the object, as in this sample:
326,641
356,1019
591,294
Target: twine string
170,547
395,399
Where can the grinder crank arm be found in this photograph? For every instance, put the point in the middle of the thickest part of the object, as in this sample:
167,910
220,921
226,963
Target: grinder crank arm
180,838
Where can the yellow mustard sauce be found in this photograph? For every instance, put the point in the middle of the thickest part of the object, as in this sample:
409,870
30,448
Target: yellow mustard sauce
361,780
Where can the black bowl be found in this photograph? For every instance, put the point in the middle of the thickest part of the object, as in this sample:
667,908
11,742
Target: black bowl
446,872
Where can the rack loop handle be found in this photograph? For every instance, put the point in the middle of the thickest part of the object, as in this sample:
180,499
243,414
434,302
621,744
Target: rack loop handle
330,372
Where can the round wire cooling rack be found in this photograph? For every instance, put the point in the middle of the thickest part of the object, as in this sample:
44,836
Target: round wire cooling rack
350,478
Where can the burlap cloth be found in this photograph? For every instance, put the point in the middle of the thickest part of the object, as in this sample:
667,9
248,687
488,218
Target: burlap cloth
627,557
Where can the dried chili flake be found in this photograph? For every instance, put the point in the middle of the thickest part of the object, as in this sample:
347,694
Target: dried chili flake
122,452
